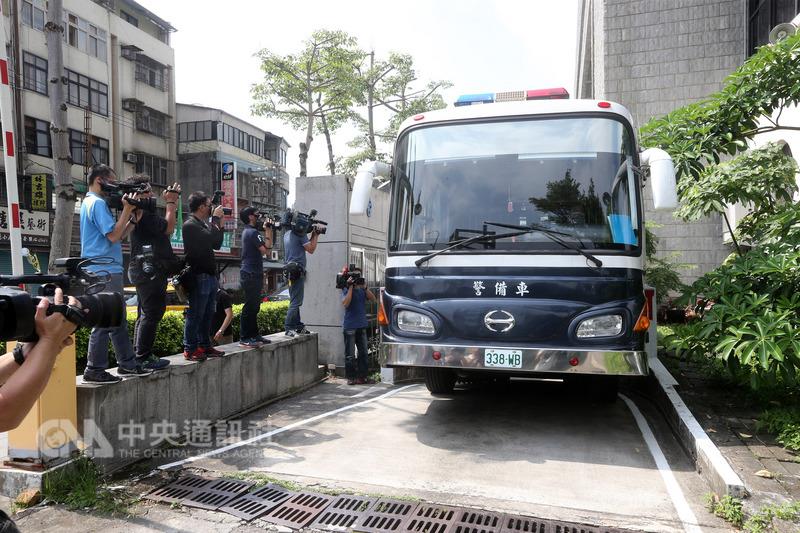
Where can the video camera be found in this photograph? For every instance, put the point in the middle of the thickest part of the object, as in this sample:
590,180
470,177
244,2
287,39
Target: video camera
268,220
301,223
217,200
99,309
115,192
349,276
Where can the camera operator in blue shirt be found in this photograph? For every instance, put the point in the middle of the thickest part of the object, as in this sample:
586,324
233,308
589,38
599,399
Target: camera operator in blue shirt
296,244
251,276
354,325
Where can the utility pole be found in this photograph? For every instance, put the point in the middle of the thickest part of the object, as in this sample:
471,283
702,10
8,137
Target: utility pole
62,161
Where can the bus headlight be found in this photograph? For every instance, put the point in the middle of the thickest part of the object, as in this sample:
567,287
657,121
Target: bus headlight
600,326
412,322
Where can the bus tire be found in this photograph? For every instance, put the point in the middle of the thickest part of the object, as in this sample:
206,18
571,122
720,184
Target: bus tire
440,380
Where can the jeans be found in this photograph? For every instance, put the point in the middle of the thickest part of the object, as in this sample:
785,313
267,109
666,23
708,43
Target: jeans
293,321
152,297
202,303
252,285
355,338
97,356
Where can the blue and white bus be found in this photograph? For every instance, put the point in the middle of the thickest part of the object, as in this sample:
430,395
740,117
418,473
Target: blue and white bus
516,240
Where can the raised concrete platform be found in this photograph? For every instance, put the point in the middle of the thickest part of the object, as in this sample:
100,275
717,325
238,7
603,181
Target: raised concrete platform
138,415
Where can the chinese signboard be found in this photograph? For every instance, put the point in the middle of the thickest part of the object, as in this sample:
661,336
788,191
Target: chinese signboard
39,192
229,187
35,226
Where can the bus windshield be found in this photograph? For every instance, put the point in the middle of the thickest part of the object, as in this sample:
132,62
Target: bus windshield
572,175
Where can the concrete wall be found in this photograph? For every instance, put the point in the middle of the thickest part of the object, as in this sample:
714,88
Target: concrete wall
187,392
654,57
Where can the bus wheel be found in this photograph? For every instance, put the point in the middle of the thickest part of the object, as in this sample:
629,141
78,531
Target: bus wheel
440,380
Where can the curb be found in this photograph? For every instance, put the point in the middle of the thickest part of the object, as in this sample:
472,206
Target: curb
709,461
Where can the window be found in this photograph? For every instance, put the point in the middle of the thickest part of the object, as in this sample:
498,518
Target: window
37,137
151,72
33,12
196,131
763,15
151,121
130,19
83,91
152,166
77,148
85,37
34,70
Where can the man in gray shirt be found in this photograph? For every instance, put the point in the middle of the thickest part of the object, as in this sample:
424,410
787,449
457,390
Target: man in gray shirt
295,247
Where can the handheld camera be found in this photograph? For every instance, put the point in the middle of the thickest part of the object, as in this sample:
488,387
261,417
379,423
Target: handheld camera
115,192
217,200
350,275
302,223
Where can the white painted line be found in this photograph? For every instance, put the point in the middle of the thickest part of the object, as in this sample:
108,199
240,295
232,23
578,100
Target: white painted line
685,513
281,430
366,392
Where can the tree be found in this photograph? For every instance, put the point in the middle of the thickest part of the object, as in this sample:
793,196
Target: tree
754,323
315,84
388,85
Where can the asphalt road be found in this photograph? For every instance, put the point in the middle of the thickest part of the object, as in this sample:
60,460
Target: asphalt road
536,449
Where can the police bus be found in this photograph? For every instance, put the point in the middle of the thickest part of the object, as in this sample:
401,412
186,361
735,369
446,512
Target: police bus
516,240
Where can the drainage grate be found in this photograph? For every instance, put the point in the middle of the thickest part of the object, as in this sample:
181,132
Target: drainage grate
476,521
180,489
258,502
299,510
564,527
428,518
217,494
386,516
343,513
523,524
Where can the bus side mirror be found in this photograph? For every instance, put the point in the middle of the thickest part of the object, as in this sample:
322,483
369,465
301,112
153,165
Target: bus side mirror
662,178
362,187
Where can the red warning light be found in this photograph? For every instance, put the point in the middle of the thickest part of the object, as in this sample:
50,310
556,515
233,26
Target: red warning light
437,356
419,117
604,105
574,361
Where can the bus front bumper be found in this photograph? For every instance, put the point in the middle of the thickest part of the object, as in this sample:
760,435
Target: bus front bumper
517,360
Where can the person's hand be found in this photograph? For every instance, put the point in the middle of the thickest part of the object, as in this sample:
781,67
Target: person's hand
218,212
55,328
218,336
127,206
172,193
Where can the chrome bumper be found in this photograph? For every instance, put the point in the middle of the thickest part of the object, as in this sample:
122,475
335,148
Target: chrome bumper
617,363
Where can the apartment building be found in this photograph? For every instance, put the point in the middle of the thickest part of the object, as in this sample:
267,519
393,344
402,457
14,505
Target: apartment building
119,68
654,57
218,151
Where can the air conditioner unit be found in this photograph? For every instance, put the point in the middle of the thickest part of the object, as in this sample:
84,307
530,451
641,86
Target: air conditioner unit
131,104
275,255
130,157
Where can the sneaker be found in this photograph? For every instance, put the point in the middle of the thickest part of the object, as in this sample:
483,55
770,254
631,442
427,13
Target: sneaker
197,355
250,343
154,363
361,381
351,382
303,331
264,340
99,376
291,333
210,351
135,372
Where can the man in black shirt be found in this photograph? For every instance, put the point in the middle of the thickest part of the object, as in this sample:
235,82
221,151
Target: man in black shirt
200,239
221,330
149,271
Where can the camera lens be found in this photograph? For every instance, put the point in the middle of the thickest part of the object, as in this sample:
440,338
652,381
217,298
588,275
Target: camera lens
105,309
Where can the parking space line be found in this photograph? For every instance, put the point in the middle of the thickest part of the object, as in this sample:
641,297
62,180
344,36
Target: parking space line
685,513
281,430
366,392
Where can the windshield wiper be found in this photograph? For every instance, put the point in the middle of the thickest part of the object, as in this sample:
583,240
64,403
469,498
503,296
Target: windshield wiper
466,242
553,236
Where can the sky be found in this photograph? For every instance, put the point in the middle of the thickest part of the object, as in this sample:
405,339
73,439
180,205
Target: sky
479,46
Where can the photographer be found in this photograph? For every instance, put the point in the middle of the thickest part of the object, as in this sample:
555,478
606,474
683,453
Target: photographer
25,372
251,275
296,244
200,239
354,325
149,271
101,236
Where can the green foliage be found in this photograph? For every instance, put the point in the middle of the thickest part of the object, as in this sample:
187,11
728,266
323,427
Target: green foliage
762,521
169,335
784,423
727,508
79,486
662,273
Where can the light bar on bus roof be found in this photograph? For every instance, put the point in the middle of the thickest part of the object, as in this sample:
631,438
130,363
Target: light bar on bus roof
545,94
472,99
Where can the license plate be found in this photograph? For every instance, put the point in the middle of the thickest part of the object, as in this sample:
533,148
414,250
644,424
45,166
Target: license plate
503,358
